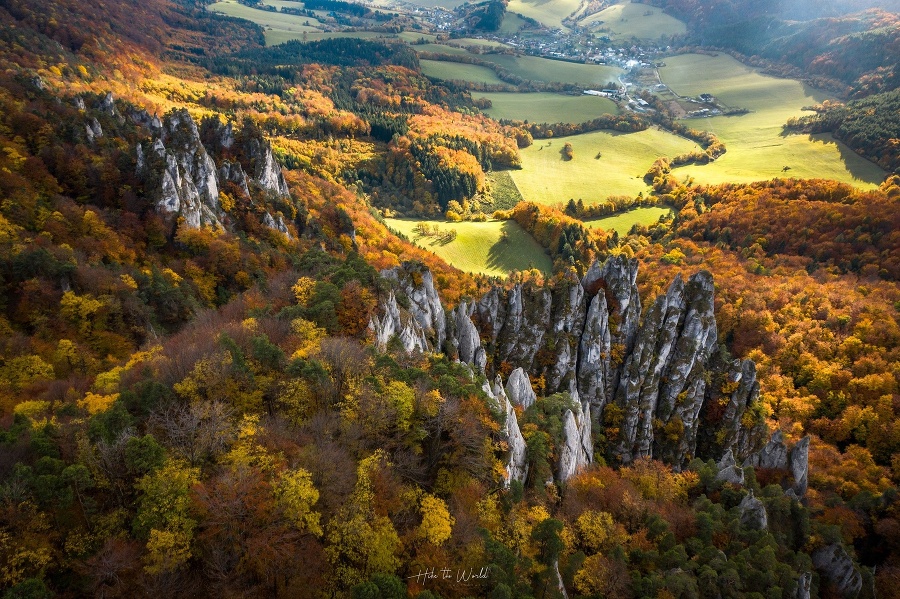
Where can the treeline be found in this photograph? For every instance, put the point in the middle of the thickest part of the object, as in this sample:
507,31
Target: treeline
284,59
871,126
350,8
712,146
565,238
832,224
612,205
626,123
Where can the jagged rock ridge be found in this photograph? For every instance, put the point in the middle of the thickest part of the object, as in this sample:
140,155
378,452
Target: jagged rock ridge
652,384
182,173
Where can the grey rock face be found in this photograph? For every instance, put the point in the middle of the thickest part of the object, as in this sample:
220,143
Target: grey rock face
391,323
773,455
518,389
266,170
735,387
617,279
79,103
276,223
837,569
93,130
753,513
799,462
188,184
729,471
594,359
108,105
517,464
466,334
418,284
233,172
567,315
663,378
804,583
577,449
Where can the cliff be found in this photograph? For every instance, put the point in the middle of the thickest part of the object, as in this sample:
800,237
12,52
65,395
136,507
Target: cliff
660,386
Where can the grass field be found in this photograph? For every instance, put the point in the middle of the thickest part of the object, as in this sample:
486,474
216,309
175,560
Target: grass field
279,27
623,222
458,70
478,248
630,20
757,147
549,70
511,24
548,12
547,107
546,178
440,49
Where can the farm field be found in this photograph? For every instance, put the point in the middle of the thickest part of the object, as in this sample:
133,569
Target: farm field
440,49
511,24
279,27
544,107
548,70
458,71
622,223
274,37
757,147
548,12
625,157
478,248
630,20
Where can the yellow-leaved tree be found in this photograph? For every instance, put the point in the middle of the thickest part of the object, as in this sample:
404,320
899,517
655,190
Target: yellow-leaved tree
437,523
361,542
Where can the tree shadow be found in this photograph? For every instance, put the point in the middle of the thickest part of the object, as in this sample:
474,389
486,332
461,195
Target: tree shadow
853,162
507,253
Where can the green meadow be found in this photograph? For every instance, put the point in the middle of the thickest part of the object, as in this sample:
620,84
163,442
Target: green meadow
623,160
548,70
478,247
623,222
279,27
629,20
458,71
543,107
757,147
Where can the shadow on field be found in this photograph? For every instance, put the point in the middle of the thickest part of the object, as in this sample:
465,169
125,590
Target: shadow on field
507,253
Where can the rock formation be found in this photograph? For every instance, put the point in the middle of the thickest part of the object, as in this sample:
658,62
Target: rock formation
391,323
729,471
659,387
838,570
753,513
188,184
518,389
577,449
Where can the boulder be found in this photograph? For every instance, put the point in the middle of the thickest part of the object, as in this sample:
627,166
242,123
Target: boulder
518,389
836,567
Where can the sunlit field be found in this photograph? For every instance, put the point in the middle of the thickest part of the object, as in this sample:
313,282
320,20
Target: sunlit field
546,107
634,20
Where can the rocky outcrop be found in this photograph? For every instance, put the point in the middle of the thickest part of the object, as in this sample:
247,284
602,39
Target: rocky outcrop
267,173
188,185
773,456
276,223
804,585
517,464
729,471
233,172
518,389
663,382
93,130
836,567
799,463
577,450
108,105
417,284
753,513
391,323
661,387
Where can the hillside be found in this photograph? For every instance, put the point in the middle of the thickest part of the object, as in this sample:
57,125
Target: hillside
223,376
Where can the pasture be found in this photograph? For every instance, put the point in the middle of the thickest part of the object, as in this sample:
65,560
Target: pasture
548,70
629,20
279,27
548,12
623,222
458,71
757,147
624,159
544,107
478,247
